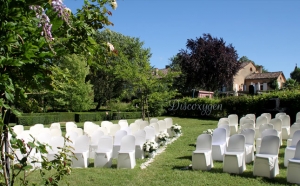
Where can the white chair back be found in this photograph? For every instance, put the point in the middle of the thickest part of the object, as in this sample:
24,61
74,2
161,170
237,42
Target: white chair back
123,123
134,127
105,144
169,122
55,132
153,120
156,127
140,137
236,143
270,145
233,119
127,129
219,135
249,136
297,153
54,142
277,124
72,137
82,143
261,120
96,136
286,120
103,129
225,126
162,126
128,143
223,121
294,128
150,133
54,125
113,129
269,132
251,116
204,142
296,138
268,115
118,137
248,126
18,129
44,137
279,114
143,124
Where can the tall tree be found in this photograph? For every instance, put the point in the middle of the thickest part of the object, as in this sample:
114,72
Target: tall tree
71,91
208,63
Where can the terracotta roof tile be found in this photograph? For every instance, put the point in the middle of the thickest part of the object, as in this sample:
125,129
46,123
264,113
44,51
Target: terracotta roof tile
266,75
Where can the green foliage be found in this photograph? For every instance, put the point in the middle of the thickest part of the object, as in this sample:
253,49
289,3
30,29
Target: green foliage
100,116
70,90
274,84
246,59
296,74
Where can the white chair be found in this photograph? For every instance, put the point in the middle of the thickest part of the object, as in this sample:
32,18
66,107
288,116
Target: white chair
55,143
294,167
286,125
294,128
223,121
55,125
138,120
126,155
297,116
140,139
251,116
277,122
134,127
123,123
153,120
55,132
94,142
234,156
79,131
39,126
113,129
219,143
169,122
262,127
127,129
117,142
268,115
18,129
202,156
106,124
81,152
233,123
244,120
143,124
70,126
266,161
162,126
103,129
156,127
87,127
259,121
290,150
72,136
44,137
279,114
249,144
266,132
225,126
150,133
103,154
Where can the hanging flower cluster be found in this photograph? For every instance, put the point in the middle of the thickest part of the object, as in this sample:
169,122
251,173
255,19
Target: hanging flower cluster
114,4
61,10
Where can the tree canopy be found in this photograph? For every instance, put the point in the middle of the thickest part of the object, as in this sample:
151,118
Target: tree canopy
246,59
296,74
208,63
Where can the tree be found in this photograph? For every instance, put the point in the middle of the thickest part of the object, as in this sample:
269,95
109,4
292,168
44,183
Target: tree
208,63
32,34
296,74
246,59
70,89
291,84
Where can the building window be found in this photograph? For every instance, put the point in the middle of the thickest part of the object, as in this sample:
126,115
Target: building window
261,86
250,69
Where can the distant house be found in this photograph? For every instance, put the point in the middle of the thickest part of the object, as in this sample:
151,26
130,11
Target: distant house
249,75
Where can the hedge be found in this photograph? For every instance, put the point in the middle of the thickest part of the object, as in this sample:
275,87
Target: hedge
47,118
240,105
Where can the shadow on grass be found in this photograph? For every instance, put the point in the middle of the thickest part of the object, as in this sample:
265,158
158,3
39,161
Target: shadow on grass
183,168
185,158
192,145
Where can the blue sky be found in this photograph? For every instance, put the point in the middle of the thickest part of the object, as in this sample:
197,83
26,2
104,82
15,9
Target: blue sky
266,31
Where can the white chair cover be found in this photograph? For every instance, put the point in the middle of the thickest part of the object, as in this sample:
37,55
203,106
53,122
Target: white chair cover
233,123
234,157
277,122
54,143
134,127
150,133
259,121
126,155
294,167
117,142
249,144
268,115
81,152
294,128
140,139
153,120
103,154
94,142
202,156
266,161
286,126
219,143
290,150
266,132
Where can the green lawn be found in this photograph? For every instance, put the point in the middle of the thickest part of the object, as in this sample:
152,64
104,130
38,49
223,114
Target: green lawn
171,167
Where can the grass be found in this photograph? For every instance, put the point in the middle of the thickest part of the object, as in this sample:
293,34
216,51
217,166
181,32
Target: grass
171,167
